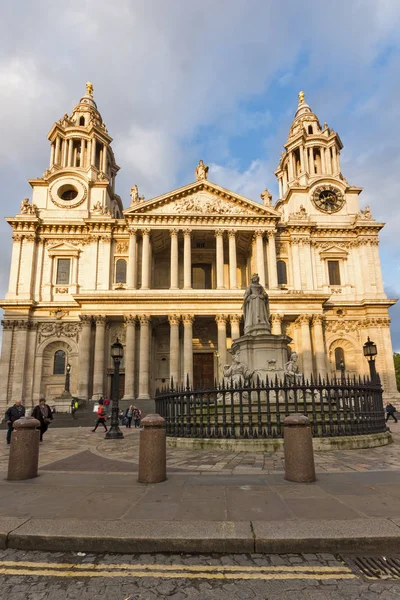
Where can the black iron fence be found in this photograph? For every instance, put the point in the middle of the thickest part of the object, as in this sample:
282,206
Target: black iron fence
349,406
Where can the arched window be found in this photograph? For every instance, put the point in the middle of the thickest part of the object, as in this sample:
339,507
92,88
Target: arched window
120,271
339,357
282,272
82,121
310,129
59,363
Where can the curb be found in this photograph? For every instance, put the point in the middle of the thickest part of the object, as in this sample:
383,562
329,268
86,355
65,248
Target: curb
197,537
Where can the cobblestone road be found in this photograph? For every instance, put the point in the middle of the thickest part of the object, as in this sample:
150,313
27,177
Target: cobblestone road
44,576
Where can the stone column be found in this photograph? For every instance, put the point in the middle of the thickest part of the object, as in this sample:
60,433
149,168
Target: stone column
276,324
145,259
104,157
187,259
272,266
377,264
294,246
235,326
174,358
144,357
15,262
232,259
129,360
174,259
301,151
304,322
5,362
51,156
93,152
285,182
219,257
280,187
57,152
19,372
188,348
328,162
260,256
320,361
323,165
311,162
70,151
131,278
84,356
98,371
291,167
334,161
221,326
82,163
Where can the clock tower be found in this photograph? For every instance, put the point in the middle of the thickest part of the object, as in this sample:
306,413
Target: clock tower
309,174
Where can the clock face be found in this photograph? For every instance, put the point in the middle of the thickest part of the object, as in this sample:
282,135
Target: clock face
328,199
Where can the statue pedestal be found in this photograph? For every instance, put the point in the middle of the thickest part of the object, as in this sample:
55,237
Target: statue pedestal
263,353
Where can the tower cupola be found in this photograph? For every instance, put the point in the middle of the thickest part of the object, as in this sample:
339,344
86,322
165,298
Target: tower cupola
311,151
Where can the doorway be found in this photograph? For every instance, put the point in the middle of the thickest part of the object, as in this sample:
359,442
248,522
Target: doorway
121,385
203,370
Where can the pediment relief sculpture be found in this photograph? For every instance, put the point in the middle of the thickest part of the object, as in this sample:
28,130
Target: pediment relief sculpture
202,203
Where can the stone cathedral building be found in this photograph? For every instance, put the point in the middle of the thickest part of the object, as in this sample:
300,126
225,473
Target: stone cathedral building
166,275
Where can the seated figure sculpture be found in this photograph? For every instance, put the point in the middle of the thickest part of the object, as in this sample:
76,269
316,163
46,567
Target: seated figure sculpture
236,374
256,307
292,374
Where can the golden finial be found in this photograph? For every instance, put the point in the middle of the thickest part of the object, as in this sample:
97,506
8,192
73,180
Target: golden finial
89,89
301,98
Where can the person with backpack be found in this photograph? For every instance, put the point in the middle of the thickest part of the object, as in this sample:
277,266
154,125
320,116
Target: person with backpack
101,418
137,415
390,410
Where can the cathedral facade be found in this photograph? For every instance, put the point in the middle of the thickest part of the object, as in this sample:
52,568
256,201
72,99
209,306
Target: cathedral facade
166,276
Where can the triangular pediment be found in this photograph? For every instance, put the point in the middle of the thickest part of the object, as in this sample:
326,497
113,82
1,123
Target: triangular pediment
333,251
202,198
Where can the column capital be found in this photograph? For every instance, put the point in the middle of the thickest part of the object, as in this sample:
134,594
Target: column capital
219,232
276,318
100,320
174,319
235,318
128,319
86,319
303,320
187,232
7,324
146,231
259,233
174,232
17,237
221,319
144,319
232,233
132,231
270,233
317,319
188,319
21,324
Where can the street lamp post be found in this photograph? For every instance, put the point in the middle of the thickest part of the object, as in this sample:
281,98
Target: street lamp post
67,378
370,351
342,369
117,353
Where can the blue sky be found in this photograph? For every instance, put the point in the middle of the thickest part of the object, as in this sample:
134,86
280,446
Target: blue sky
182,80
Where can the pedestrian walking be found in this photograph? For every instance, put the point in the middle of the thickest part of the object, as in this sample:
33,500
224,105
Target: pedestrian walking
13,413
107,405
42,412
101,417
137,415
390,410
129,416
74,407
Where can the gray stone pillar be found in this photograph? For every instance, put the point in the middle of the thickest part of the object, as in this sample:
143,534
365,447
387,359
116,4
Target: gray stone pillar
99,357
188,348
144,357
304,322
187,259
260,256
219,239
232,259
19,372
222,351
174,358
84,356
129,360
320,358
174,259
235,326
132,260
145,259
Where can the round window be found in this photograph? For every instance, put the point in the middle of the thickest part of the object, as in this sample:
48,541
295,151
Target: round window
67,192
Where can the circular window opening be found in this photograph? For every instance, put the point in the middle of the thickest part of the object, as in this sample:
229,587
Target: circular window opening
67,192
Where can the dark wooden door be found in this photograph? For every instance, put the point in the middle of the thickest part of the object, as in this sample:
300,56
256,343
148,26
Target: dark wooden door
121,385
203,370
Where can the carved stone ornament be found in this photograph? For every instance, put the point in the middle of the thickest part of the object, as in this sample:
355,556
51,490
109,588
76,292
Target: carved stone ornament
61,290
58,313
202,203
28,209
7,325
174,319
266,197
121,248
58,329
118,330
201,171
343,326
60,183
300,214
365,214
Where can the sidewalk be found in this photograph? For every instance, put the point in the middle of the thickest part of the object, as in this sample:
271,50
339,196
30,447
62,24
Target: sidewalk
85,501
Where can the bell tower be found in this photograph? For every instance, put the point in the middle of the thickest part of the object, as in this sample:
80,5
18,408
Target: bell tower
82,169
309,173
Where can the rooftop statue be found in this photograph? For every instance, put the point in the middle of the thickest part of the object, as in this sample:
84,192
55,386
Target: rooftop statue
256,306
201,171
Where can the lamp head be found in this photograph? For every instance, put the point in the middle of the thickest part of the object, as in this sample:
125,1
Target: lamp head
117,350
369,349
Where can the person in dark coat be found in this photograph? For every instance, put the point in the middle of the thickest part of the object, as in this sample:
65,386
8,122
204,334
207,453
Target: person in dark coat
42,412
390,410
13,413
